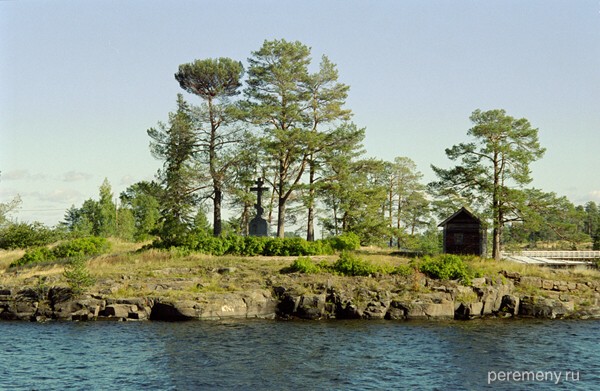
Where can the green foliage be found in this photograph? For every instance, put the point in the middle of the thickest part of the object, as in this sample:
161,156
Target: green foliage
447,267
274,246
24,235
141,199
107,211
210,78
174,144
79,247
35,255
304,265
500,153
348,241
403,270
92,245
6,208
355,194
349,264
125,229
250,245
78,276
253,245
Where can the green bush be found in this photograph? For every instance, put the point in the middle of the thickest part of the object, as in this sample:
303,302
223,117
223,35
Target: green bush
348,241
78,276
273,247
91,245
235,244
251,245
73,248
35,255
304,265
403,270
211,245
296,246
23,235
447,267
349,264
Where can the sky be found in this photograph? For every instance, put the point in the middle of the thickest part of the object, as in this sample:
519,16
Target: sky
82,81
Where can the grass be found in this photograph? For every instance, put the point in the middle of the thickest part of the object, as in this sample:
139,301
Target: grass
127,272
490,267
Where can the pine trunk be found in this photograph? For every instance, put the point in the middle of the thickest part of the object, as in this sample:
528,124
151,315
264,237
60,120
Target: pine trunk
310,228
217,225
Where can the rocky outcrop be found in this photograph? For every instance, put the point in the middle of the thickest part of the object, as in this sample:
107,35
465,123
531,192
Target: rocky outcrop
253,304
484,297
507,295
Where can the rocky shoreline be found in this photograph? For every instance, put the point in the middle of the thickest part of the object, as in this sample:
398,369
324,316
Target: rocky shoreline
417,297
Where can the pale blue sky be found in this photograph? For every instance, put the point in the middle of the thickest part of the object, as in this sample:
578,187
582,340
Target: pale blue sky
82,81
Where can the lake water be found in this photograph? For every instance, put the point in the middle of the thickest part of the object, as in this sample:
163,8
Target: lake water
278,355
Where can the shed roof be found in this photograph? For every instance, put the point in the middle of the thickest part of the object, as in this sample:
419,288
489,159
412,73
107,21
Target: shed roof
464,209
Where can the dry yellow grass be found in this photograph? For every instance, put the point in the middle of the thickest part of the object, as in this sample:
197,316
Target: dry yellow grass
128,272
490,267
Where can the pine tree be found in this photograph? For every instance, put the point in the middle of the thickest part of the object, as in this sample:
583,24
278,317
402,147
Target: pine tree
174,145
494,167
214,80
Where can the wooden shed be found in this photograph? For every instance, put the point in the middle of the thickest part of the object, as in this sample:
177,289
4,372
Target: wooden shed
464,233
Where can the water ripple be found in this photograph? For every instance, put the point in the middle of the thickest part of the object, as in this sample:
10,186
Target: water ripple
253,355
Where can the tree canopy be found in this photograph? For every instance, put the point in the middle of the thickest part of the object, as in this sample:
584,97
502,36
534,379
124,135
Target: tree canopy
493,167
288,123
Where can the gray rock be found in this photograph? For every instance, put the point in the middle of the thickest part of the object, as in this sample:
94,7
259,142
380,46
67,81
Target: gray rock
510,304
119,310
349,311
545,308
424,310
260,304
172,311
466,311
227,270
397,310
375,310
311,306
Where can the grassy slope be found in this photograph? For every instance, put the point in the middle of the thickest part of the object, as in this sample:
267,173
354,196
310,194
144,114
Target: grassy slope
127,273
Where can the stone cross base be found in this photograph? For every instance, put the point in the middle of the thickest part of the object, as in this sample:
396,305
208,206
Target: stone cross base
259,227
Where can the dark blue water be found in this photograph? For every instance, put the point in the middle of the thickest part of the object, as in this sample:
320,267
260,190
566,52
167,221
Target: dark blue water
271,355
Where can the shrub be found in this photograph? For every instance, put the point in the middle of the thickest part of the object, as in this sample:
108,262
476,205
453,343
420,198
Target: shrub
253,245
296,246
91,245
349,264
447,267
78,276
304,265
210,245
321,247
35,255
23,235
273,247
348,241
403,270
235,244
73,248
